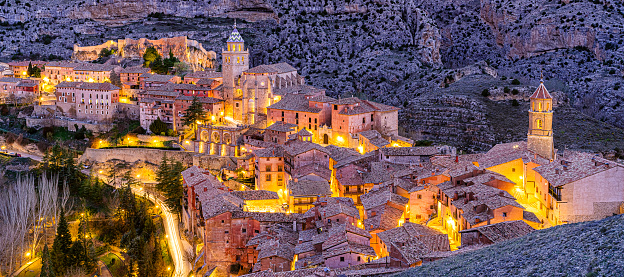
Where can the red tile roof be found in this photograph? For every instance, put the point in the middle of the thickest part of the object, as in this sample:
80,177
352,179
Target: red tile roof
541,92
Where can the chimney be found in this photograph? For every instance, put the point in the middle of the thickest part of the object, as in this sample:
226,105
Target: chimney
557,171
457,159
294,226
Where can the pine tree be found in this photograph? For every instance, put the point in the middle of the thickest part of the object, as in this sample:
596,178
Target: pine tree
61,246
46,267
195,112
169,182
29,70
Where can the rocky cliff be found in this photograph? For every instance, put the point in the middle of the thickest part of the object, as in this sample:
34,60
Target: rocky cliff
393,51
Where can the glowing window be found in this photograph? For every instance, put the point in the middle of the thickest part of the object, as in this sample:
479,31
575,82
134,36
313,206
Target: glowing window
538,124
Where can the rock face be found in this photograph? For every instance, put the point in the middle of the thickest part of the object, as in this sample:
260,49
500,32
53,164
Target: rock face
394,52
123,11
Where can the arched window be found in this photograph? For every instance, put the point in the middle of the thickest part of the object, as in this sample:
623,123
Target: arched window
237,59
540,106
538,124
239,47
548,106
228,47
243,59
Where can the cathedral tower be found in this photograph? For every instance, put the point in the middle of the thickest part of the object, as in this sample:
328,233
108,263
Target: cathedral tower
540,136
235,61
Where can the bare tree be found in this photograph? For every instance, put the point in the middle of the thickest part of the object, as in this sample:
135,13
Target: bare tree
16,206
46,205
410,15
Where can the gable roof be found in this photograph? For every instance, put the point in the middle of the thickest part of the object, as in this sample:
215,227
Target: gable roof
306,187
294,102
503,231
541,92
574,166
280,126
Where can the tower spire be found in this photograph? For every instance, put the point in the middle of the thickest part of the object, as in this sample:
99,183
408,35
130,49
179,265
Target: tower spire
542,75
234,23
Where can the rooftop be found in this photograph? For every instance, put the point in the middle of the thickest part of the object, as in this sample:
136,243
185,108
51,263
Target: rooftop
573,166
306,187
503,231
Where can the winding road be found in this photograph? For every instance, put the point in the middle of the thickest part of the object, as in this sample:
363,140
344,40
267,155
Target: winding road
177,246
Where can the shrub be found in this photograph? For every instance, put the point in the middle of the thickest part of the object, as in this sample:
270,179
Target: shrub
612,71
515,82
485,93
10,138
515,103
514,92
158,127
506,90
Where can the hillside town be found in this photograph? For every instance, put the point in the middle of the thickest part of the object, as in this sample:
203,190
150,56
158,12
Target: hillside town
307,184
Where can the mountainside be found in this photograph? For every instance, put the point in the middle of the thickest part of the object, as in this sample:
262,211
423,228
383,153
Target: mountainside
585,249
399,52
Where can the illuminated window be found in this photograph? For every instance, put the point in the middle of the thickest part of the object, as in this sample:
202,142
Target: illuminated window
538,124
539,106
268,177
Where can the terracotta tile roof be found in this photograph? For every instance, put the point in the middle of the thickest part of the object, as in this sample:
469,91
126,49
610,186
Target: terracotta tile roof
503,231
410,151
204,75
507,152
351,247
271,152
370,134
255,195
283,67
307,235
220,204
62,64
294,102
529,216
10,80
475,209
304,90
358,106
341,153
205,100
305,187
304,132
334,206
574,166
275,248
304,247
159,78
94,67
464,164
260,143
194,175
322,99
386,217
135,69
313,262
541,92
488,176
97,86
381,196
296,147
263,68
26,63
267,217
280,126
414,241
311,169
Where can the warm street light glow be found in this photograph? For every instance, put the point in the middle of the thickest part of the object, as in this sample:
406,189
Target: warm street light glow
340,139
168,268
138,175
361,149
28,254
100,171
212,118
187,142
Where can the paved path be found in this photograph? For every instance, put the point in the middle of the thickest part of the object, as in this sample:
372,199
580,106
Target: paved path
104,272
26,155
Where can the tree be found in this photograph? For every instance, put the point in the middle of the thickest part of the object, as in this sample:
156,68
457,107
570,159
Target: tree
410,15
61,246
181,68
195,112
169,182
150,55
46,267
158,127
129,180
115,79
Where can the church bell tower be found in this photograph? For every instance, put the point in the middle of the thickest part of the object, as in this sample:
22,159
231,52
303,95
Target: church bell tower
235,61
540,137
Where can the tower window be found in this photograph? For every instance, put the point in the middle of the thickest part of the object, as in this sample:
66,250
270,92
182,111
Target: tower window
538,124
539,106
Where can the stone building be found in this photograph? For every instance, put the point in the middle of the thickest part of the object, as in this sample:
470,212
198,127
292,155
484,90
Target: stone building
540,136
88,101
495,233
130,76
20,68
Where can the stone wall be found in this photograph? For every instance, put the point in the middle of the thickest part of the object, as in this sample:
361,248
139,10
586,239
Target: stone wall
69,124
136,154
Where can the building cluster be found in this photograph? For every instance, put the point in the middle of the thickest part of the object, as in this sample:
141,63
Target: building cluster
335,190
348,209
